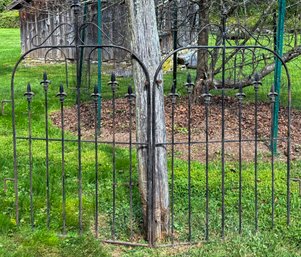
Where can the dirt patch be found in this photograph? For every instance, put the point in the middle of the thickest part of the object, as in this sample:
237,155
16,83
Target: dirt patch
198,127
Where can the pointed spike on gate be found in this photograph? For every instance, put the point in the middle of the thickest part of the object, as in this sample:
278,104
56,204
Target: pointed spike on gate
95,89
45,76
173,88
173,91
61,93
61,88
95,95
113,77
256,81
29,94
130,90
28,88
256,77
189,78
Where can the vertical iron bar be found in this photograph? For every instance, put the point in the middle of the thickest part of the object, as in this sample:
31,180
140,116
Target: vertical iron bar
47,159
151,149
79,161
130,97
223,120
189,87
240,97
240,165
173,96
76,9
62,96
96,169
113,84
256,87
45,84
63,168
255,163
207,172
273,95
15,161
30,164
95,97
114,167
207,99
273,168
288,175
29,96
131,171
173,169
189,165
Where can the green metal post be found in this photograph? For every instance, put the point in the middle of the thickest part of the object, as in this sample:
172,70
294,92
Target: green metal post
99,63
278,69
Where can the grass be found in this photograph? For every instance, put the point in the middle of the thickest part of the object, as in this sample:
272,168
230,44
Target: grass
22,241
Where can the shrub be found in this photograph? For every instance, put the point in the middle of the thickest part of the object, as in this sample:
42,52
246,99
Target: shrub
9,19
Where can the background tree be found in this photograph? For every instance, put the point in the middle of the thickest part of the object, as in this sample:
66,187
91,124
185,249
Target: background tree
249,22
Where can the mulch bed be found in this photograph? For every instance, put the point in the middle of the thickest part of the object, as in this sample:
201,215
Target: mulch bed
197,127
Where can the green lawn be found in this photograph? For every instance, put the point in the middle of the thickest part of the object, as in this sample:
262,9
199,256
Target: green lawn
22,241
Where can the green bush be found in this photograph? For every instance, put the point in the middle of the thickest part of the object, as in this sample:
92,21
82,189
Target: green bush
9,19
3,4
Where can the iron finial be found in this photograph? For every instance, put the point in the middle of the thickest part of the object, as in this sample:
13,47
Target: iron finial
240,95
130,95
173,91
45,82
95,94
113,77
189,85
29,94
130,90
44,76
189,78
62,93
272,94
257,81
113,83
61,88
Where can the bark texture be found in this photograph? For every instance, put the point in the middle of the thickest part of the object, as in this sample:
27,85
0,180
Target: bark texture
203,39
145,43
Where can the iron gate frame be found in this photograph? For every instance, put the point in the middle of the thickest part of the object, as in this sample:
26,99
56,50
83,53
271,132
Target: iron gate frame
206,95
151,132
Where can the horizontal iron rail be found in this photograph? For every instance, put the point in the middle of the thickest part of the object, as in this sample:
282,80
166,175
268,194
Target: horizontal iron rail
75,141
147,245
219,141
158,144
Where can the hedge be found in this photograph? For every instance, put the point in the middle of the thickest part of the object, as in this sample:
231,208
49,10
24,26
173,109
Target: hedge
9,19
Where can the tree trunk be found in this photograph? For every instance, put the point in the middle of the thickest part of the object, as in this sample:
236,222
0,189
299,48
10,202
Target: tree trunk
145,43
203,39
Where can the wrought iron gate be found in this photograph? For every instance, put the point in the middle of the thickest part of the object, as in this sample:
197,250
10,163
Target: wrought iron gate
205,173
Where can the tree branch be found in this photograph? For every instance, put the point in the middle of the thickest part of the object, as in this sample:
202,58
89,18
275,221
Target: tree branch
217,84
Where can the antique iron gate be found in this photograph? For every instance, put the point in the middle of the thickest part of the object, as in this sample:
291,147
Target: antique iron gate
217,167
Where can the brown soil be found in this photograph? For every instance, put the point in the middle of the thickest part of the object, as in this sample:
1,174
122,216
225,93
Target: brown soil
198,151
